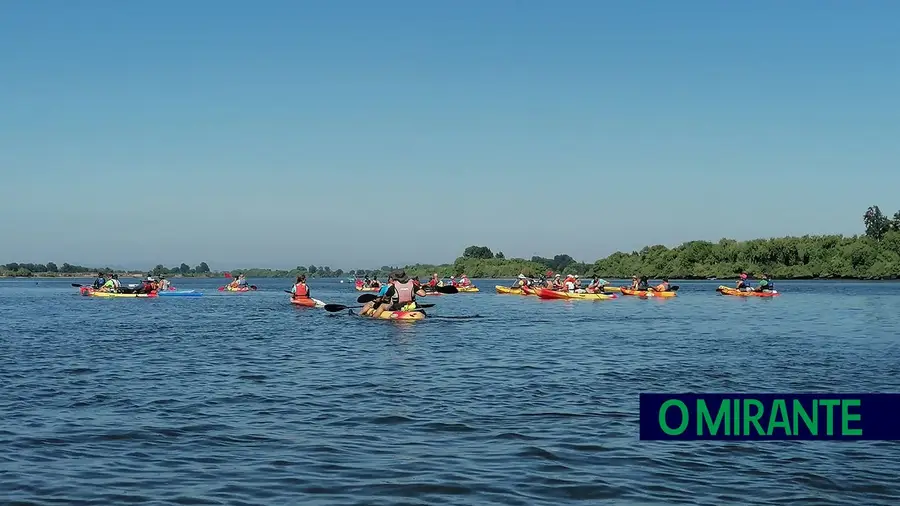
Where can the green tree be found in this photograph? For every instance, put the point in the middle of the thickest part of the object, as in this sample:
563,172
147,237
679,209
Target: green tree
184,269
51,267
312,269
877,224
203,268
478,252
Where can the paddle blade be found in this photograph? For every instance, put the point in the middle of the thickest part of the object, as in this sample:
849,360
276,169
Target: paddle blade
446,289
674,288
221,288
76,285
228,275
366,297
334,308
288,291
253,287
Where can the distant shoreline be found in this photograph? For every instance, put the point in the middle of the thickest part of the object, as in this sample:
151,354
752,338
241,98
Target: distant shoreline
140,275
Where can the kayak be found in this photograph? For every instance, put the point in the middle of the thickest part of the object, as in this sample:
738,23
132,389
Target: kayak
545,293
367,289
724,290
180,293
90,292
398,315
614,289
241,289
470,289
509,290
646,293
530,290
307,302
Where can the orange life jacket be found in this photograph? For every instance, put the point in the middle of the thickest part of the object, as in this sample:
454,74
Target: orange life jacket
301,290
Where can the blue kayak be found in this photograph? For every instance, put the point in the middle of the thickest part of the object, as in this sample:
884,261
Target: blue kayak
181,293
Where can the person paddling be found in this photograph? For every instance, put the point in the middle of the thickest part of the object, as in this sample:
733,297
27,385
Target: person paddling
300,290
99,282
743,284
662,287
400,295
643,285
765,284
164,284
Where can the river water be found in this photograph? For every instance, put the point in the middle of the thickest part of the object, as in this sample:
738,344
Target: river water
244,399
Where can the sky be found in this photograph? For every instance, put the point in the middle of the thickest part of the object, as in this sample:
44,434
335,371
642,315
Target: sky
357,134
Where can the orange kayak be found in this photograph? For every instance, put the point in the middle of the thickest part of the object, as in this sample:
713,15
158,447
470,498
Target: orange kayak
367,289
724,290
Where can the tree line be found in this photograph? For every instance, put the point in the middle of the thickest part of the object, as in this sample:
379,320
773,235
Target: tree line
872,255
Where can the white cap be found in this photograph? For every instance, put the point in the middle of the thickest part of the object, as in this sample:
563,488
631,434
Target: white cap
150,278
521,276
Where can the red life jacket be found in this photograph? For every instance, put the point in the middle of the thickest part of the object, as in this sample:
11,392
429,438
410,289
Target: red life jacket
404,292
301,290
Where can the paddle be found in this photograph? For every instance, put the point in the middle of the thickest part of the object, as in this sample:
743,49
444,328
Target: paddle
334,308
449,289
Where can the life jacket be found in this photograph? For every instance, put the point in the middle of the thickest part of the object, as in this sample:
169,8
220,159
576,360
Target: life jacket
454,283
433,282
301,290
662,287
404,293
99,282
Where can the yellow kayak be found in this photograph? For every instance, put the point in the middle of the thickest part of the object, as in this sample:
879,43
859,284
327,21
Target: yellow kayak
367,289
470,289
398,315
647,293
508,290
88,292
612,289
545,293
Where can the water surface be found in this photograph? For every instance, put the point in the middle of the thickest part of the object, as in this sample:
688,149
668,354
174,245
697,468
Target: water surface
244,399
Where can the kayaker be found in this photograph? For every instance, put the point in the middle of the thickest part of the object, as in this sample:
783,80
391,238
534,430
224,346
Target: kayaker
111,284
359,283
374,283
634,283
597,285
99,282
662,287
742,283
242,281
520,282
643,285
569,284
164,284
765,284
433,282
400,295
453,281
464,281
384,287
300,290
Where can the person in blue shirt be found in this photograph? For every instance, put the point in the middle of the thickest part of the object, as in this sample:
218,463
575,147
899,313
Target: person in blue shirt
242,281
384,287
100,281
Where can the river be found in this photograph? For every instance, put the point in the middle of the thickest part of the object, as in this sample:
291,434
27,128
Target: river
244,399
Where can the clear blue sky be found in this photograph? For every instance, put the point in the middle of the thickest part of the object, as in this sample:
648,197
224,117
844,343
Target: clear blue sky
261,133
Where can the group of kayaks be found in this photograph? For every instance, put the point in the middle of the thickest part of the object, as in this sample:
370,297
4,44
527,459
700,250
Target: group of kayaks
609,292
87,291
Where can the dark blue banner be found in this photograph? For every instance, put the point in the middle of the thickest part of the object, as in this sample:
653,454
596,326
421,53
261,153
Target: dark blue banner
750,416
